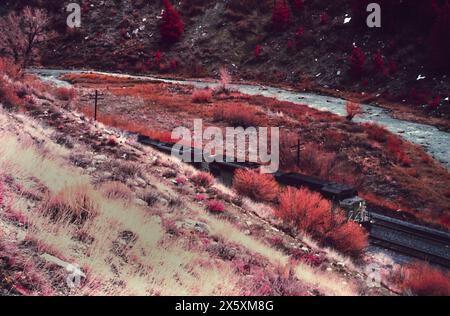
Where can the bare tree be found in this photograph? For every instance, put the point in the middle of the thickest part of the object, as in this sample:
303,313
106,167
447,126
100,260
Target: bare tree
22,33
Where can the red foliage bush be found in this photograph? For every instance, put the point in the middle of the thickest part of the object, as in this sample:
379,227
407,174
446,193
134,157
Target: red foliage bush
310,213
203,179
357,61
306,210
215,206
7,67
423,280
376,132
280,14
8,95
202,96
258,187
350,238
353,109
396,148
237,114
288,152
316,162
65,94
171,27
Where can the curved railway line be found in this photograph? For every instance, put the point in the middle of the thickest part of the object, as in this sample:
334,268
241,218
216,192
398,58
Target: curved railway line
413,240
416,241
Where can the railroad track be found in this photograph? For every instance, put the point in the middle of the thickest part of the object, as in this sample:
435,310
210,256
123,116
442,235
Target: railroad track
414,240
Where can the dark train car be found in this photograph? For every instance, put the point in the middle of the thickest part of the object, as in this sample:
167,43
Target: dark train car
342,195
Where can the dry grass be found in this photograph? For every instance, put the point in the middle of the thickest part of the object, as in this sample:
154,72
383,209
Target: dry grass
120,243
153,263
115,190
202,96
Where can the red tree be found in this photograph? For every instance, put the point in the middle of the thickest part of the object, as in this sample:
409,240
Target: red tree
21,34
258,51
157,57
353,109
280,15
172,27
357,61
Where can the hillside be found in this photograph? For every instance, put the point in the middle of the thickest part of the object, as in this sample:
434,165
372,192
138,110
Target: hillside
313,51
75,191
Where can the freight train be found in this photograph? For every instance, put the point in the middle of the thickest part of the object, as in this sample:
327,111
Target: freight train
343,196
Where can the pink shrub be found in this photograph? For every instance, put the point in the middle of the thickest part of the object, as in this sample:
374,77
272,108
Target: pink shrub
376,132
353,109
180,181
309,212
200,197
65,94
202,96
396,149
203,179
423,280
237,114
215,206
257,186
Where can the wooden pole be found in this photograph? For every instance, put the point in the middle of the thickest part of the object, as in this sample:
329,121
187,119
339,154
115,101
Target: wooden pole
95,109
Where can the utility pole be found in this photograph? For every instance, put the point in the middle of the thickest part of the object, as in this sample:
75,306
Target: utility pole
95,97
297,148
95,106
